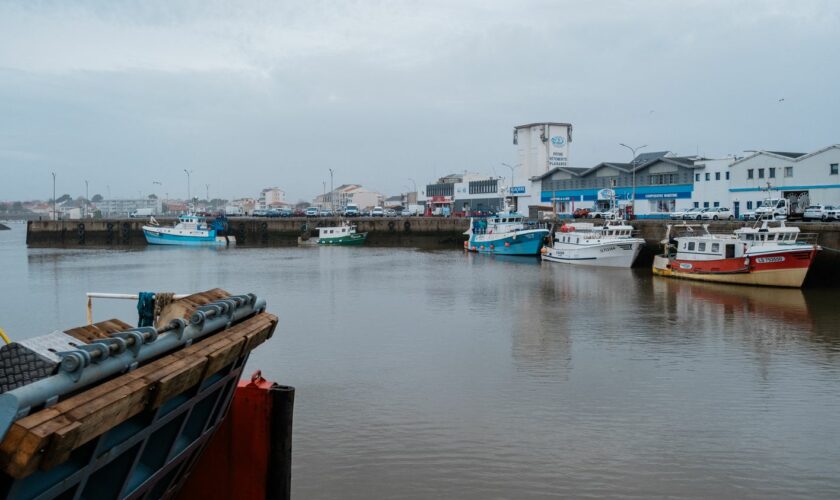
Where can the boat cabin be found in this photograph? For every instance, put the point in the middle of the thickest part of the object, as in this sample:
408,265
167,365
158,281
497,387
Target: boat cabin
708,247
335,232
779,234
192,222
587,232
500,223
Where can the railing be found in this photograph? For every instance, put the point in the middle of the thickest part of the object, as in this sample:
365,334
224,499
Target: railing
123,296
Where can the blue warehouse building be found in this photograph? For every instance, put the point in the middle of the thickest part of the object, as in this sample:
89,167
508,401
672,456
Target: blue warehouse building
664,184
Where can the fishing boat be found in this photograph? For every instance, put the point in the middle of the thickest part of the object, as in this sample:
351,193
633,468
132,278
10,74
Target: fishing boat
505,234
191,230
107,410
587,244
342,235
771,254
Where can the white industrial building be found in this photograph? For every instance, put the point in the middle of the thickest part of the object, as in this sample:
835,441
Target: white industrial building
463,193
804,179
540,147
711,184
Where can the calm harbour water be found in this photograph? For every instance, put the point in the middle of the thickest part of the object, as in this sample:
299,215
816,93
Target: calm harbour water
443,375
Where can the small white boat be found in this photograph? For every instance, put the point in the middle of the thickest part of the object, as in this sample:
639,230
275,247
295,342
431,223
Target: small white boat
191,230
584,243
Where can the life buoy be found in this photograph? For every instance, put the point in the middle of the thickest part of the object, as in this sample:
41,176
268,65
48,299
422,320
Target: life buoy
391,226
304,227
407,226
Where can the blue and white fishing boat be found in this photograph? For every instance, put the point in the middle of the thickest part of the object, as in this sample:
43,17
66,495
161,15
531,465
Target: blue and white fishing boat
191,230
505,234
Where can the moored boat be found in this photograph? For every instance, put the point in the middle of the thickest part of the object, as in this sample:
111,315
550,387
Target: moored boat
505,234
584,243
191,230
766,255
342,235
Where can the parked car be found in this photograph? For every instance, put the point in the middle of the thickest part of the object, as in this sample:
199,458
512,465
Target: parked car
832,212
260,213
326,212
581,213
817,212
390,212
351,210
693,213
677,214
603,214
405,212
377,212
717,213
312,212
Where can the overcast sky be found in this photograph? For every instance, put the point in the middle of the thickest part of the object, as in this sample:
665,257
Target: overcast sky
256,94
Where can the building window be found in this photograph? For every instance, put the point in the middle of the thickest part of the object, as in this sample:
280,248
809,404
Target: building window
705,204
483,187
727,175
717,176
833,169
772,172
707,175
749,205
760,173
716,204
749,173
788,171
696,177
696,204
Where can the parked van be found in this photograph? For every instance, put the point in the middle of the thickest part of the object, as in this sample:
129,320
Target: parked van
141,212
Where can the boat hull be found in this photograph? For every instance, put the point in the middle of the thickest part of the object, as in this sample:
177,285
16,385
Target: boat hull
527,242
345,240
617,254
158,237
780,269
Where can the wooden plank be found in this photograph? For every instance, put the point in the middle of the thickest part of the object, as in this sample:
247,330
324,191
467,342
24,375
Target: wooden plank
188,373
103,329
26,457
95,418
223,356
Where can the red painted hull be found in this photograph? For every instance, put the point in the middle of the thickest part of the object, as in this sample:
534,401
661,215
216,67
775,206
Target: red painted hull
785,268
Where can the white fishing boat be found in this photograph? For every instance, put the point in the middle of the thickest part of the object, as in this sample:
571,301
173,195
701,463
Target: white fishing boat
587,244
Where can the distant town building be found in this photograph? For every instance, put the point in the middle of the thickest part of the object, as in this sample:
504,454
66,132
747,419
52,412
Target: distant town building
124,207
393,201
241,206
271,197
349,193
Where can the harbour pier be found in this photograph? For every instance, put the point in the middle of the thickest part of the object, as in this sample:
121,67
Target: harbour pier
422,232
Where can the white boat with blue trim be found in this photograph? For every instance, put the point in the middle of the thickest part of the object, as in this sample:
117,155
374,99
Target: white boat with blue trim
191,230
585,244
505,234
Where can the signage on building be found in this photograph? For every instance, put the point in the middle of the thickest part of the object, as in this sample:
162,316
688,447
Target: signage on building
517,190
441,199
558,140
558,150
665,196
606,194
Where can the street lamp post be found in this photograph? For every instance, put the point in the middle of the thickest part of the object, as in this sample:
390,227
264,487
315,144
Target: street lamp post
54,214
332,192
188,172
510,189
415,189
633,166
86,199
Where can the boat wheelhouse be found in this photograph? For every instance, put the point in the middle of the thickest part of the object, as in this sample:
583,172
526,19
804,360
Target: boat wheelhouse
506,234
584,243
191,230
766,255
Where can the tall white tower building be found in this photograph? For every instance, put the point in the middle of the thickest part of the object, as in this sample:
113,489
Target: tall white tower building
541,147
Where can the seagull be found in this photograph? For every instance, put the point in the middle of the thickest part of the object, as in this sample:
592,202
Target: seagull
782,99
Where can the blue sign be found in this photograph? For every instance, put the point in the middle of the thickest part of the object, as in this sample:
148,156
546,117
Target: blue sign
517,190
558,141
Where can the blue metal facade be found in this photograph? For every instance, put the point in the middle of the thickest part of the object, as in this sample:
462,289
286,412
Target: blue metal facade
666,192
